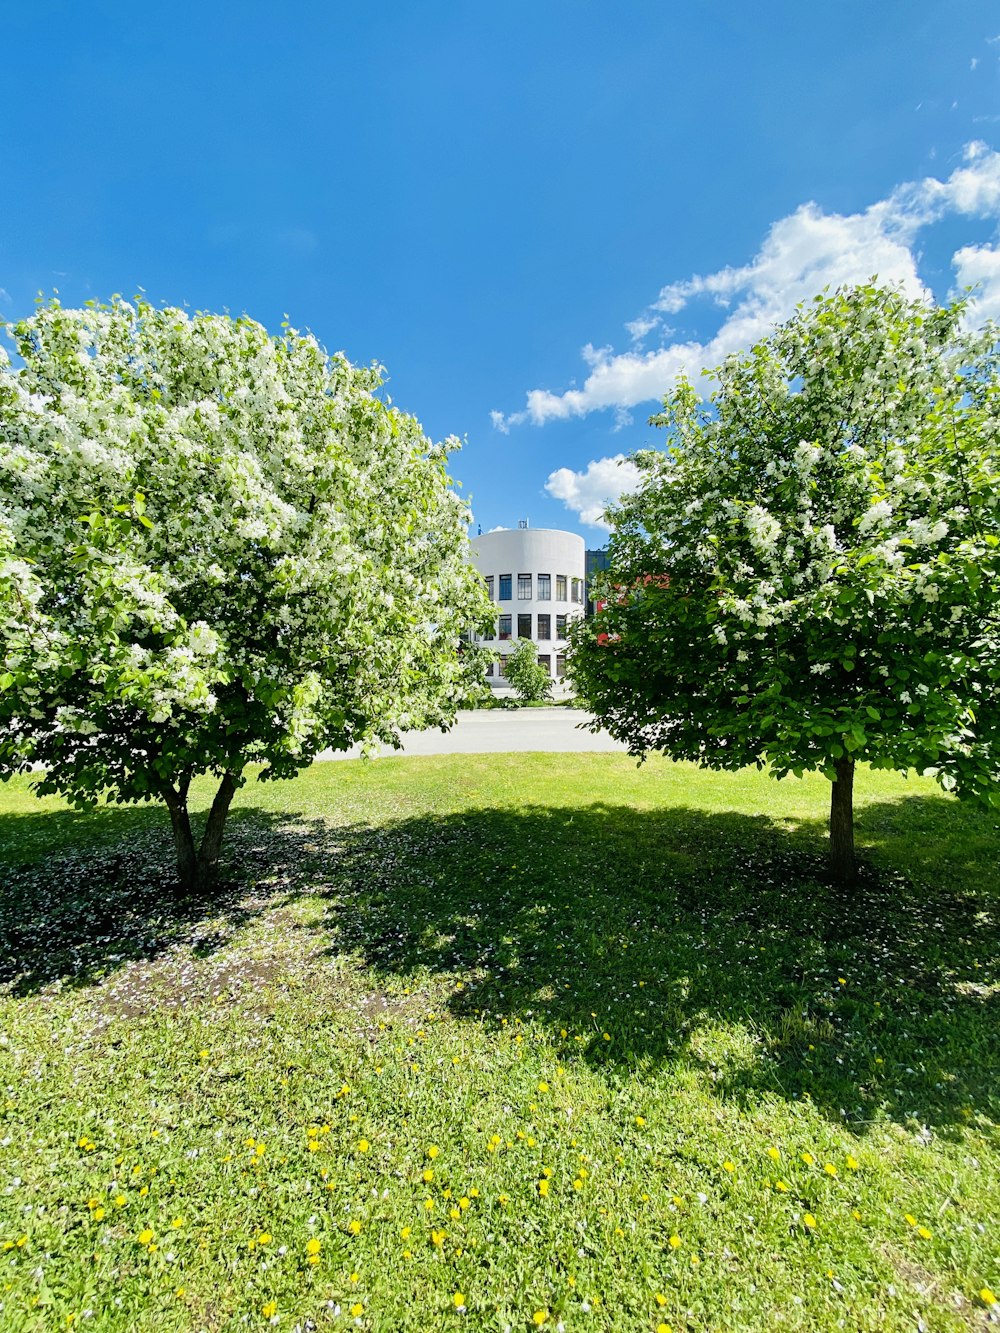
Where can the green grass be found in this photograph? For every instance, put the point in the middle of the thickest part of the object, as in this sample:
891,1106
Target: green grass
756,1101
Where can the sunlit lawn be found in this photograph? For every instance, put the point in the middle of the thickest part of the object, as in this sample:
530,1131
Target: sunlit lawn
502,1042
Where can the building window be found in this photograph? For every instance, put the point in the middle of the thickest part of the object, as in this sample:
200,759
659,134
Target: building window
503,668
560,665
578,590
560,627
560,588
524,626
545,660
545,587
505,581
524,587
489,668
544,627
489,586
504,627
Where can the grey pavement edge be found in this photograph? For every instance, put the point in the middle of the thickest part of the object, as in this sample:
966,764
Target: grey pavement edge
501,731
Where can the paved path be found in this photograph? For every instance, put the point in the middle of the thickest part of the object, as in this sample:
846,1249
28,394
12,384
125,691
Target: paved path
499,731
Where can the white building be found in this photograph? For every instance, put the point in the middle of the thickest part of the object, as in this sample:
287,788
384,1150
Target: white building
536,577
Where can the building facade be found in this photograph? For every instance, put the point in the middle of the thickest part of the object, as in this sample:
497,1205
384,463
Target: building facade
537,578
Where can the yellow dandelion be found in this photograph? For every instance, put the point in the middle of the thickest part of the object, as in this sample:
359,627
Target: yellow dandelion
728,1166
406,1233
355,1278
774,1154
660,1299
543,1187
924,1233
808,1158
640,1120
177,1223
145,1236
437,1237
809,1222
829,1168
120,1200
539,1318
908,1217
454,1214
781,1187
363,1145
354,1227
357,1309
852,1163
464,1203
269,1309
674,1242
987,1297
428,1176
313,1246
203,1055
432,1152
458,1300
664,1328
543,1086
429,1205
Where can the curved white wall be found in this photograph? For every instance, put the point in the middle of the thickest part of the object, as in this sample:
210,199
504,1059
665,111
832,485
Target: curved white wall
532,551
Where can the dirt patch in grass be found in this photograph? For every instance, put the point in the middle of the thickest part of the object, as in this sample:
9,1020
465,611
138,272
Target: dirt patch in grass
935,1291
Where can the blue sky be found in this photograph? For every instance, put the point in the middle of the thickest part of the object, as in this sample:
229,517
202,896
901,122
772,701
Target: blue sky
533,214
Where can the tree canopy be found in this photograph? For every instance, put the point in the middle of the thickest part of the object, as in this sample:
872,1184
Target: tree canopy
531,681
217,548
808,576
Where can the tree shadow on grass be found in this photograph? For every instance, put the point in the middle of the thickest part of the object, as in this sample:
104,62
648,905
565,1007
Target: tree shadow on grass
107,896
656,938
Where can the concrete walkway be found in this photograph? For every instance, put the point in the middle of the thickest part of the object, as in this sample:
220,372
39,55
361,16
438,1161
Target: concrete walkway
499,731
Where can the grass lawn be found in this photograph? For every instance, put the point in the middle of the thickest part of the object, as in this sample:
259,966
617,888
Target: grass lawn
502,1042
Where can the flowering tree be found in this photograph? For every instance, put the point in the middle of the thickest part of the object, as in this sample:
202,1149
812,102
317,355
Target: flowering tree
809,575
217,548
529,678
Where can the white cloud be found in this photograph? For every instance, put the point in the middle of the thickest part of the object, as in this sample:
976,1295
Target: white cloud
801,254
499,422
980,266
589,492
645,324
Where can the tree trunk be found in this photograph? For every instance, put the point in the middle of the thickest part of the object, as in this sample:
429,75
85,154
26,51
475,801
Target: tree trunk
196,866
842,863
180,821
211,841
